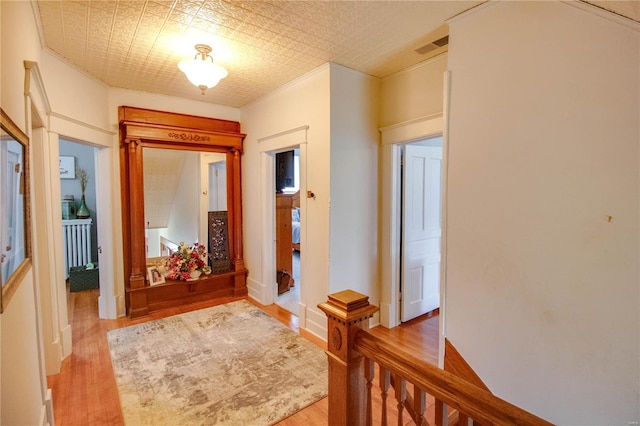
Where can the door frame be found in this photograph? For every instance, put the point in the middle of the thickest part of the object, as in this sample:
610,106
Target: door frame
269,146
392,140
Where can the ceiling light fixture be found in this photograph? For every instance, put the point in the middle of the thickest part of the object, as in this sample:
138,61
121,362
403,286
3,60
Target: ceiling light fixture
200,71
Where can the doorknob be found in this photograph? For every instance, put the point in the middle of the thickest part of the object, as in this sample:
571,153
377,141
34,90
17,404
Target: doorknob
8,248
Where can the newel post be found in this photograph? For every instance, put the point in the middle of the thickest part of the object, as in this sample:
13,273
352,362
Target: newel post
347,312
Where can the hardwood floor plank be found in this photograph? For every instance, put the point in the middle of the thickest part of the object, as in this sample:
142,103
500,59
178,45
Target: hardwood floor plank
85,391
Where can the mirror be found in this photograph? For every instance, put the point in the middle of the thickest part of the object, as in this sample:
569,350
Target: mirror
180,182
172,190
15,243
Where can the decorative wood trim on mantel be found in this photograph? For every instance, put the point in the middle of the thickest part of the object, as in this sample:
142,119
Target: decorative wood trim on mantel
151,135
179,131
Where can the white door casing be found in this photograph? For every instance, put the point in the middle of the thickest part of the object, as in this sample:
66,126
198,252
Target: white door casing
421,230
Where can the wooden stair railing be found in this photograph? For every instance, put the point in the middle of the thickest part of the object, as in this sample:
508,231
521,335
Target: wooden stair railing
353,354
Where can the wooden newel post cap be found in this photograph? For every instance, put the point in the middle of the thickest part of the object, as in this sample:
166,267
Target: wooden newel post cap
348,307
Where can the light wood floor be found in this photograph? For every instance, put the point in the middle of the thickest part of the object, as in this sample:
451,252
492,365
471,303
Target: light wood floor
85,393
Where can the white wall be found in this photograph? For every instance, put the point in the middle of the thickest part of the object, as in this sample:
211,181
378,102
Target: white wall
354,183
304,102
184,218
413,93
120,97
21,376
411,106
338,164
74,94
542,289
23,383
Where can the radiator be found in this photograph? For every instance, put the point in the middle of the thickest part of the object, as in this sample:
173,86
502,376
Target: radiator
76,237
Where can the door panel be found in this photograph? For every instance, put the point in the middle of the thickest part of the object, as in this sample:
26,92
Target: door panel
421,230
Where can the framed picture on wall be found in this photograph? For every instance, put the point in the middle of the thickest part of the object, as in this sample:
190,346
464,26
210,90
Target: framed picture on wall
67,167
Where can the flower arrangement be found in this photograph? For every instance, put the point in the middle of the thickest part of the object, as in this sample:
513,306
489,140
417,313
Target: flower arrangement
84,178
185,260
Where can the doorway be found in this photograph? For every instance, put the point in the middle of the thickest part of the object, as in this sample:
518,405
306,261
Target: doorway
421,227
287,214
79,214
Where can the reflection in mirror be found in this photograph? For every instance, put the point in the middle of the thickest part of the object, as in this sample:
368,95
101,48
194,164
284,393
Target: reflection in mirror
12,232
14,220
180,188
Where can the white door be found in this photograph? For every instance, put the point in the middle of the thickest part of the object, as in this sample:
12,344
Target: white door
422,177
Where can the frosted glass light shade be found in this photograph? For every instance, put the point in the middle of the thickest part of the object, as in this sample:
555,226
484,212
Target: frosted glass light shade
202,73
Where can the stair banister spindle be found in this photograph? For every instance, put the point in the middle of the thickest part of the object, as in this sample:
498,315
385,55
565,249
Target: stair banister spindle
385,382
369,374
400,388
419,404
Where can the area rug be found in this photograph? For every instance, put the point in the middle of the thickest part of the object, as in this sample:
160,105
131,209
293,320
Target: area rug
227,365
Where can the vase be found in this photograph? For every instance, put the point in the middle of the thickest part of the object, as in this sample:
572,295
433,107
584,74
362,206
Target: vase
194,275
83,210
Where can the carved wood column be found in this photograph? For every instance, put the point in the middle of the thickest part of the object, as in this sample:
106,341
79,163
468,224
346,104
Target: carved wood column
240,282
347,312
138,301
237,208
231,206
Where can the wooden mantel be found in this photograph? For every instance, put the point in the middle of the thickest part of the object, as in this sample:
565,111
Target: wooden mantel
144,128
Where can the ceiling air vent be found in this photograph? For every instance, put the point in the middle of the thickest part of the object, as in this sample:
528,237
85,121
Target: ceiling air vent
422,50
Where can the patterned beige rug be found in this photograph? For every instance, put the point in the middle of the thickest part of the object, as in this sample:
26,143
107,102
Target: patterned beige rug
226,365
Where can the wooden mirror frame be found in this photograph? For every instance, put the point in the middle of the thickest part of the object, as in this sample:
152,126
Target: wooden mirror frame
13,282
140,128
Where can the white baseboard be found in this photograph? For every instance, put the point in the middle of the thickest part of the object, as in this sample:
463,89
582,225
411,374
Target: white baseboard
302,314
374,321
322,337
388,315
43,421
111,307
311,327
315,323
53,357
102,306
121,306
65,337
257,291
48,407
